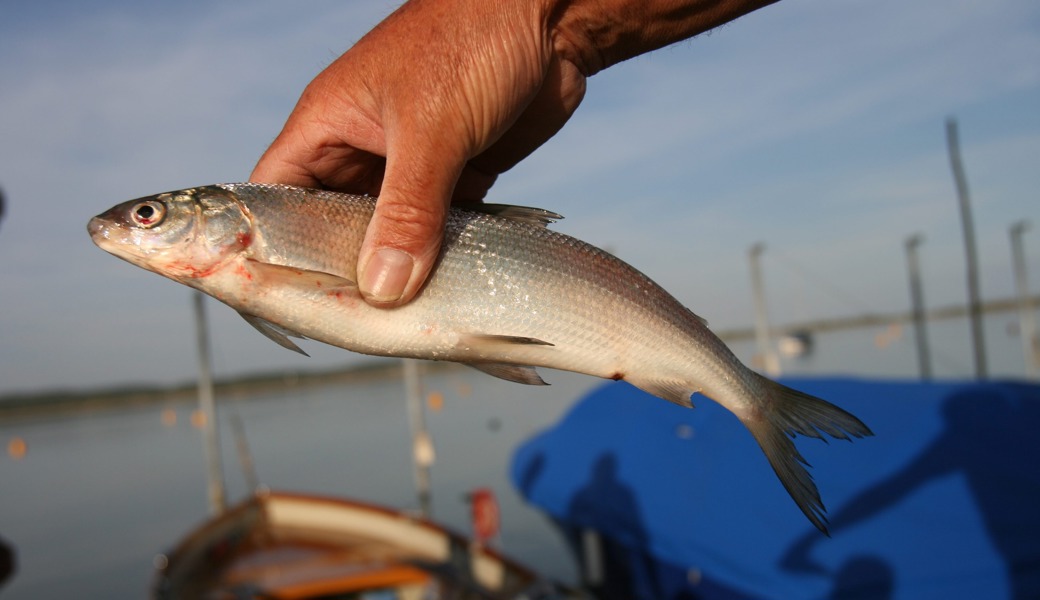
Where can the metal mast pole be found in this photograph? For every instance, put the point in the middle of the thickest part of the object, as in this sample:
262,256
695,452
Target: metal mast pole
770,361
924,361
974,296
1026,322
208,408
422,446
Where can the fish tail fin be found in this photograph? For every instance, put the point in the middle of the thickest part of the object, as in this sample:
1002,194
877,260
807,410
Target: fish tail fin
784,413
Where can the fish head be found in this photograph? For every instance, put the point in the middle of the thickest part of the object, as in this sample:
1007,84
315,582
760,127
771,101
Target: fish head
184,235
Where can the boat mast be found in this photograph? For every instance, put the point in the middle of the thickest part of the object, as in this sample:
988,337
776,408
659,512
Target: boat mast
770,361
924,361
970,252
215,487
1026,322
422,446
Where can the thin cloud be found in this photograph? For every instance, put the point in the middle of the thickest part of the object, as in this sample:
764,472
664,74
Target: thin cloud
814,126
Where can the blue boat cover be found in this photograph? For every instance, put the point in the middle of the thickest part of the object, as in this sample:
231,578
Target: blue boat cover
944,501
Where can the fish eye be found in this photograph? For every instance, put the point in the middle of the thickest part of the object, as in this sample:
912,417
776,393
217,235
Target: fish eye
148,214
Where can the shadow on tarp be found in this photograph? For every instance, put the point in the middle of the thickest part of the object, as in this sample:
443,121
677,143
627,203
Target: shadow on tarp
7,562
942,503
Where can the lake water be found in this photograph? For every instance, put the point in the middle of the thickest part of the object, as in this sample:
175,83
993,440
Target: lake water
96,497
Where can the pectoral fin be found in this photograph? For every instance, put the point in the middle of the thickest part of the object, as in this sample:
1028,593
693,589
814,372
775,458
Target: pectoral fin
282,275
515,373
276,333
477,340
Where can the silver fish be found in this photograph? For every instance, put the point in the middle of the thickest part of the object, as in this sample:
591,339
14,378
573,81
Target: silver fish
507,295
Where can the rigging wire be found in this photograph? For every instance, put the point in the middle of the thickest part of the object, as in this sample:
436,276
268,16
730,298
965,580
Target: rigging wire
849,301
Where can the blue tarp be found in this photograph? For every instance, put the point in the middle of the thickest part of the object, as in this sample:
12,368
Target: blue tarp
944,501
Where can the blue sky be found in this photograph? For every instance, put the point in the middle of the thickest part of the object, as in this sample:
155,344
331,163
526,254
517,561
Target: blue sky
813,126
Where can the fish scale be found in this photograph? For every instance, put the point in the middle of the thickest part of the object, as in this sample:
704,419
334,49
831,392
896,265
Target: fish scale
507,295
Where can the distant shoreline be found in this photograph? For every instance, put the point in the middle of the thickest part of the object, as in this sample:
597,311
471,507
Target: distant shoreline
53,403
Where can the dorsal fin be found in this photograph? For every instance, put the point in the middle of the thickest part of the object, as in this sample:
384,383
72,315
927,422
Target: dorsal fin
524,214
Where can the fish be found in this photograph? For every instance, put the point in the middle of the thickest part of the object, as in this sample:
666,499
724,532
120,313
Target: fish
507,294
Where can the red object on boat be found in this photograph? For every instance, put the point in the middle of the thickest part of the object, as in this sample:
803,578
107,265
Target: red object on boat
484,513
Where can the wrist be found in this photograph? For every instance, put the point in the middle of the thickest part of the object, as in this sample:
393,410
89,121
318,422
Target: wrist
596,34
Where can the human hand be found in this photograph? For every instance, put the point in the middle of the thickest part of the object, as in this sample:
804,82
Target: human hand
443,96
429,107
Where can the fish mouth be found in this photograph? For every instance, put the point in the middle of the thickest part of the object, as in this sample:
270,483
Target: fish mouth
105,232
100,231
111,238
96,229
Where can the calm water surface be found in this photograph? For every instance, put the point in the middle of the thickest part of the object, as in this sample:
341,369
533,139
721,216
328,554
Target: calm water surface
96,497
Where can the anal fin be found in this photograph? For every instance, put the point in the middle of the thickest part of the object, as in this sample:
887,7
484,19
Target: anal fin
672,391
516,373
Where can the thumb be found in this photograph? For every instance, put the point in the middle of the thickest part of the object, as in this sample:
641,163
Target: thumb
405,234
